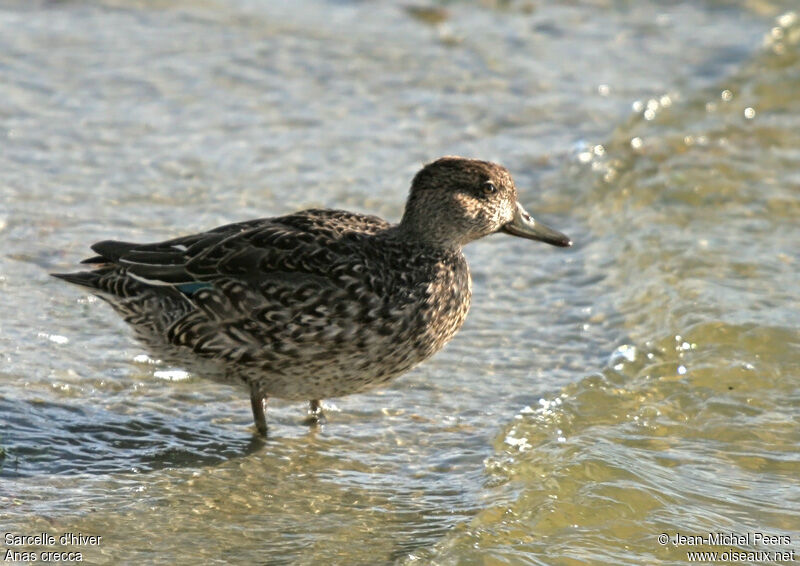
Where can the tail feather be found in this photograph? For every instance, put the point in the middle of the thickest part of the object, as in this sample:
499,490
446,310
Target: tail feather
112,250
89,279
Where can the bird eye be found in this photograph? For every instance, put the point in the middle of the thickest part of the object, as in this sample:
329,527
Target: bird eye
489,188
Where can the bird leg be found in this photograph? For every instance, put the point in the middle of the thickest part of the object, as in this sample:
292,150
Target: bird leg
258,402
315,414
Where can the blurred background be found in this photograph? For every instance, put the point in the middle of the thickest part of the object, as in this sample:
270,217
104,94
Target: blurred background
643,382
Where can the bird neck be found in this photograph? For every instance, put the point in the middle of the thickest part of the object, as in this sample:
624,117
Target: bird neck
426,234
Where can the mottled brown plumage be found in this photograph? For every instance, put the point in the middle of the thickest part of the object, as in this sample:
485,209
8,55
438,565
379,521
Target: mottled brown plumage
317,304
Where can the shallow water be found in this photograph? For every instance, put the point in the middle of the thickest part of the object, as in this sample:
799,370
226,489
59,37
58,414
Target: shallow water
643,382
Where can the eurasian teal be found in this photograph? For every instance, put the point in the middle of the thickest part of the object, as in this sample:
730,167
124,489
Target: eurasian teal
320,303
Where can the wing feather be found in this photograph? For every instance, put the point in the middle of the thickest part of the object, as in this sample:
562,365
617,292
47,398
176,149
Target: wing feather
268,282
313,242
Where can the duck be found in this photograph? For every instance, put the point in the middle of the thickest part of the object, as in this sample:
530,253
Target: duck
320,303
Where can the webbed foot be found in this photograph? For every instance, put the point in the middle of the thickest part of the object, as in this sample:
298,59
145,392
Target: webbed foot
315,414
